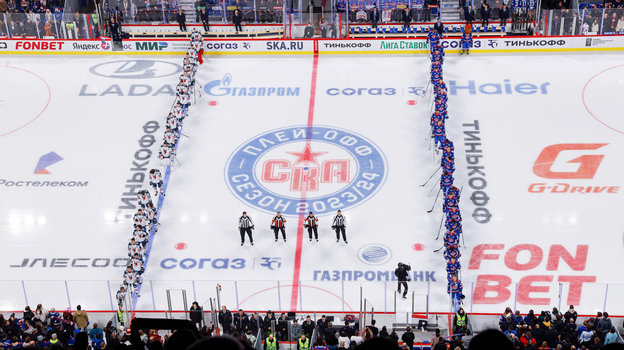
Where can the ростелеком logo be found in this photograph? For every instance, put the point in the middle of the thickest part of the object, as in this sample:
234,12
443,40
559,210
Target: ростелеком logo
300,169
45,161
374,254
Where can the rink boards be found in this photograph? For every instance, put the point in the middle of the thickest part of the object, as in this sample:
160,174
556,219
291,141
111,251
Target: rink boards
536,152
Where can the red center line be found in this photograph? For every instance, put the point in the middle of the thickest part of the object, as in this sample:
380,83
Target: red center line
297,264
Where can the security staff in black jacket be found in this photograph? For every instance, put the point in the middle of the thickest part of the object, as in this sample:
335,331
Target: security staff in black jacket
374,17
406,18
237,18
439,27
402,273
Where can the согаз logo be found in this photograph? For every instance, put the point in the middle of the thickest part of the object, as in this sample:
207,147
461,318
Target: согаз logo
299,169
45,161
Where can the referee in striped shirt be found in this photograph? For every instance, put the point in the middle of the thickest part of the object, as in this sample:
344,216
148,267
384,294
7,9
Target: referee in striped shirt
245,225
339,225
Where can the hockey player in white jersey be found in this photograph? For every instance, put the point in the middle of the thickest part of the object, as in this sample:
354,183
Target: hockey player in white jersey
137,264
144,197
140,219
140,236
166,154
184,99
178,111
152,213
172,124
156,181
196,35
135,248
131,281
170,137
121,295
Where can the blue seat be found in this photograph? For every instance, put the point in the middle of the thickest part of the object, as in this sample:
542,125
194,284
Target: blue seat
377,30
368,30
360,28
503,29
352,30
383,30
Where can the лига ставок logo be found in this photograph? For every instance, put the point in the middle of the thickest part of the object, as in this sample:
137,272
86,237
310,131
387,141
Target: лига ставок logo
300,169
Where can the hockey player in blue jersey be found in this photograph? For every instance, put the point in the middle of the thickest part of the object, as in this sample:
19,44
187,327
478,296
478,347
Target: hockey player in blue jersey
448,164
452,266
466,40
456,288
446,181
433,39
438,133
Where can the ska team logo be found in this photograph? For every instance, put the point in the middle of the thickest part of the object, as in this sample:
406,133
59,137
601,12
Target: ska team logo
300,169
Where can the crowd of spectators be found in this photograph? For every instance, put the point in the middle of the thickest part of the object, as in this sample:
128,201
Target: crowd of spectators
50,329
44,18
557,330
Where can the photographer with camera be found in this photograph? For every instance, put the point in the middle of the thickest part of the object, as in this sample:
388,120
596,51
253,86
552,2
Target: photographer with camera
402,274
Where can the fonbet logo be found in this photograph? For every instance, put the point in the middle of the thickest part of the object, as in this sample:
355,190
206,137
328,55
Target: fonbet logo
45,161
222,87
300,169
588,164
135,69
374,254
558,162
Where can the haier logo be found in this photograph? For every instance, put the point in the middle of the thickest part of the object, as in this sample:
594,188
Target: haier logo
588,164
556,162
151,46
506,87
222,87
45,161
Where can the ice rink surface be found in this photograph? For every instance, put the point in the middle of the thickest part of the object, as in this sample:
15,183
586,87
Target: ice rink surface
537,138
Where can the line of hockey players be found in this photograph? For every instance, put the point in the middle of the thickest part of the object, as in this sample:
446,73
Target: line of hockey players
451,212
278,224
145,220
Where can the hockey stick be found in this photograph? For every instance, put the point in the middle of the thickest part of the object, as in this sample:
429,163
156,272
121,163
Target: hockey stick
440,228
437,250
434,202
431,177
185,135
176,159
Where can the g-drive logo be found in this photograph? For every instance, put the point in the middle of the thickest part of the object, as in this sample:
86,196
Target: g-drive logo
556,162
222,87
588,164
45,161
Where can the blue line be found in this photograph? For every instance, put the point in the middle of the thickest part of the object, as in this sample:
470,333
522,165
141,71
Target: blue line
68,299
24,289
161,200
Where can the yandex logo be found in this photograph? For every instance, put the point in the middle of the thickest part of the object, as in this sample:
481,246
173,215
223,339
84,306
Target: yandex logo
39,45
588,164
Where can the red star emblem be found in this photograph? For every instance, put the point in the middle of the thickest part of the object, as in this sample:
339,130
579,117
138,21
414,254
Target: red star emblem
306,156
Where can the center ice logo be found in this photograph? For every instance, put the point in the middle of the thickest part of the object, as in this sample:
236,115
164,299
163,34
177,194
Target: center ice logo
299,169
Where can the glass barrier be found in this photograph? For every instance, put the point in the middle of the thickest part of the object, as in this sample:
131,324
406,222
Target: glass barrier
49,25
588,21
329,296
314,19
